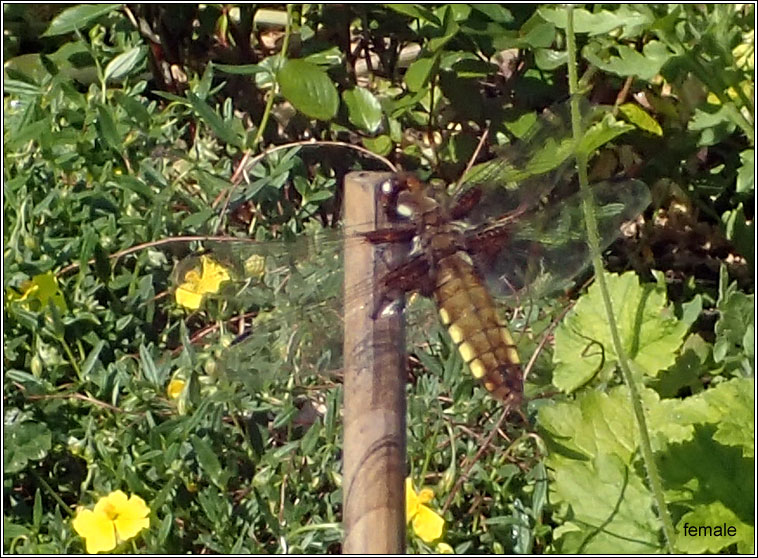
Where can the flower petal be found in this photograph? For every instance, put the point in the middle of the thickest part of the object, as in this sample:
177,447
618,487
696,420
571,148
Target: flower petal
444,548
132,518
96,529
187,297
213,275
411,500
426,495
175,388
428,524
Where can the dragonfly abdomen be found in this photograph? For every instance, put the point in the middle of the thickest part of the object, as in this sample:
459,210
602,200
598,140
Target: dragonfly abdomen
485,344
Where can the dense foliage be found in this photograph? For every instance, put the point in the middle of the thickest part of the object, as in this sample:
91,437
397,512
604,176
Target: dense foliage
127,126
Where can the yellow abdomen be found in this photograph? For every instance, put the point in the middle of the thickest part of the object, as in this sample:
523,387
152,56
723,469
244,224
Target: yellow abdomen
485,344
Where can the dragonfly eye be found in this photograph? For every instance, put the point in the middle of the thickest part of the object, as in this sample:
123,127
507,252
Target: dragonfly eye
404,211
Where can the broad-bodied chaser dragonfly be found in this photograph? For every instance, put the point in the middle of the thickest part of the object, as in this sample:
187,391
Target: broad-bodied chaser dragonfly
501,236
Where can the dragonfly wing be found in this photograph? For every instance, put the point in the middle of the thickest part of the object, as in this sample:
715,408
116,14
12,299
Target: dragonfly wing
544,252
285,301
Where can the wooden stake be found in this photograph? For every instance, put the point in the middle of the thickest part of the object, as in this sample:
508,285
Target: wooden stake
374,354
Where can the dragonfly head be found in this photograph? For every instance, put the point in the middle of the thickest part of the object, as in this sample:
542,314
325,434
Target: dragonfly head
403,198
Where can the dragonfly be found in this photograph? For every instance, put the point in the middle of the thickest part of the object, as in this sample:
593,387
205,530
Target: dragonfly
506,234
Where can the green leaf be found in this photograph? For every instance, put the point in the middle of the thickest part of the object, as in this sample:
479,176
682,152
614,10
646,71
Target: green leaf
641,119
645,65
700,472
89,363
108,130
381,145
242,69
134,108
20,88
415,11
736,316
734,401
216,123
450,29
548,59
148,366
364,110
599,22
309,89
24,442
207,459
746,172
741,232
600,133
124,63
495,12
418,73
594,439
77,17
537,35
704,531
649,331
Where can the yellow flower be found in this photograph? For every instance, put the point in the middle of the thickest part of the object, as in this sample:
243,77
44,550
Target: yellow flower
38,291
175,388
444,548
427,524
196,284
115,519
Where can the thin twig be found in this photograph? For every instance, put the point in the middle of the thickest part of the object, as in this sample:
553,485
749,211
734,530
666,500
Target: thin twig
484,447
473,157
246,162
160,242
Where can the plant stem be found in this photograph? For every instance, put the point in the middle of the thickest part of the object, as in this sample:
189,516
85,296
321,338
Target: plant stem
275,86
51,492
594,245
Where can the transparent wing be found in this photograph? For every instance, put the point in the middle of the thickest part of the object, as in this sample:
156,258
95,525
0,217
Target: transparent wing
285,301
542,253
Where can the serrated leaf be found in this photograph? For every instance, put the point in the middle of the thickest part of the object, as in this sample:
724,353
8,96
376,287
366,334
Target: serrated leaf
124,63
736,315
309,89
649,331
363,109
734,401
76,17
595,23
700,471
595,424
705,531
641,119
645,65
